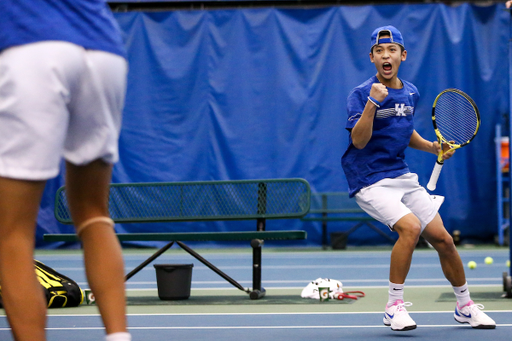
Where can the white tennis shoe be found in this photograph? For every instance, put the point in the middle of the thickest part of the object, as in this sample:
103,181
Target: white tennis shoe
397,316
471,313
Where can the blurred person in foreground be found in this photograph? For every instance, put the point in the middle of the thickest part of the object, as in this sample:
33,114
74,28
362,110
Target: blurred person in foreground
62,86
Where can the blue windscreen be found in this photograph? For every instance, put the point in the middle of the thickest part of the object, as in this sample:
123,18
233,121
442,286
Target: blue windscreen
260,93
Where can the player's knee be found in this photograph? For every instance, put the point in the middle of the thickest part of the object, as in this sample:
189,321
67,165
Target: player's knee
443,242
104,221
447,240
414,231
410,231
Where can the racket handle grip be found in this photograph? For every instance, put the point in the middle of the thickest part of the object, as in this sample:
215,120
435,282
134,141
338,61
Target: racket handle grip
435,175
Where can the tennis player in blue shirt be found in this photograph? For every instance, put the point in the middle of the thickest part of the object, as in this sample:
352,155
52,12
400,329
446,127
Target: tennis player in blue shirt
62,87
380,122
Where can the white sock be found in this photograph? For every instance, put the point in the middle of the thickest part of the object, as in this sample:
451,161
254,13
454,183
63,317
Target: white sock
462,294
396,292
121,336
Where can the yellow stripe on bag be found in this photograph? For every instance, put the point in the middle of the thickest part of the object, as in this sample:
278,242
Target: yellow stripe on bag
46,280
49,274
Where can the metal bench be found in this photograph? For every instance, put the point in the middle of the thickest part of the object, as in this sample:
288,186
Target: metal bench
337,206
257,200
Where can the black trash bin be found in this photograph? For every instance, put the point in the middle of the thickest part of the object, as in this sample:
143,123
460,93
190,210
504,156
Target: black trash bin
339,240
173,281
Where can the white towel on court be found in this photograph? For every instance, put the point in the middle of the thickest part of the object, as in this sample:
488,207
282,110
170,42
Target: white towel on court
311,290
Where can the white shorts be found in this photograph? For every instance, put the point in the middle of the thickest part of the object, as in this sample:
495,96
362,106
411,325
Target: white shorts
389,200
58,99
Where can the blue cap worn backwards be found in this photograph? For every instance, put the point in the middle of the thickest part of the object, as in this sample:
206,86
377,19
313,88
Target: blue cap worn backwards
394,36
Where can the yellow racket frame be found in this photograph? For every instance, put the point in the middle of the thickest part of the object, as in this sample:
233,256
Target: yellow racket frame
442,140
440,137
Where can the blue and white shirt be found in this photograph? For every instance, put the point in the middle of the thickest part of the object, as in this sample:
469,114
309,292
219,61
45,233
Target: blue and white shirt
384,155
88,23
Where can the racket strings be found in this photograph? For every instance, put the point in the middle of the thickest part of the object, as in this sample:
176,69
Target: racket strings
456,118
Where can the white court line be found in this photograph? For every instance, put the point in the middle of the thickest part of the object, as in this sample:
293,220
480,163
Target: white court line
259,327
228,286
278,313
266,283
296,255
302,287
421,280
280,267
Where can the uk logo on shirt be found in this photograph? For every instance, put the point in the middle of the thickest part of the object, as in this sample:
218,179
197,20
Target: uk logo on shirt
400,109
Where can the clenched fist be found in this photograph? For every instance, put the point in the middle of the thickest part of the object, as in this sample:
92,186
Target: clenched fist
379,91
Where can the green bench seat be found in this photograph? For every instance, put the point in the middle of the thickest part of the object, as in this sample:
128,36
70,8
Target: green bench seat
191,236
257,200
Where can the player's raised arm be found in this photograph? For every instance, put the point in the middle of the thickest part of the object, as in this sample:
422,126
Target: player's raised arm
362,131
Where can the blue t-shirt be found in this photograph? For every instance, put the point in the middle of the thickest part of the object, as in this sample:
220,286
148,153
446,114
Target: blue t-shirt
383,156
88,23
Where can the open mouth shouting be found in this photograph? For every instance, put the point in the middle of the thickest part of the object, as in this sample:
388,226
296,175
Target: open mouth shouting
387,67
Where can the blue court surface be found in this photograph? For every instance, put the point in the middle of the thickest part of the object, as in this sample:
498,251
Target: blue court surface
218,311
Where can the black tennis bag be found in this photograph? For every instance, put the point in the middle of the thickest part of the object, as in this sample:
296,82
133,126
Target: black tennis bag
60,291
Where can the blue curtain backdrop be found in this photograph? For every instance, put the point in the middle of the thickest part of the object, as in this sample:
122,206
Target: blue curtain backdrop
261,93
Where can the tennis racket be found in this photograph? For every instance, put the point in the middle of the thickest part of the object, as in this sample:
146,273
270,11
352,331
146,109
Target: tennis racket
456,121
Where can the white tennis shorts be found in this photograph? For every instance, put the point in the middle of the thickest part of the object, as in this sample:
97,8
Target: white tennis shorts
57,100
389,200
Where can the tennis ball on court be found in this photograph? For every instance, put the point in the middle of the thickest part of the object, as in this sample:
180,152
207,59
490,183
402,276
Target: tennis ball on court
472,264
508,263
488,260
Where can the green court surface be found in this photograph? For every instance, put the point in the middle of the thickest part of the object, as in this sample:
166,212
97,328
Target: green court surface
287,270
217,309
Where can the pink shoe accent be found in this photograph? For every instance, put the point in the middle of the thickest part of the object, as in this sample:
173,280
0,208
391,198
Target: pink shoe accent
466,305
397,302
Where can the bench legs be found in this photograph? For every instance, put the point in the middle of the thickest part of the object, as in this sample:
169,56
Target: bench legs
257,291
147,261
211,266
325,245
